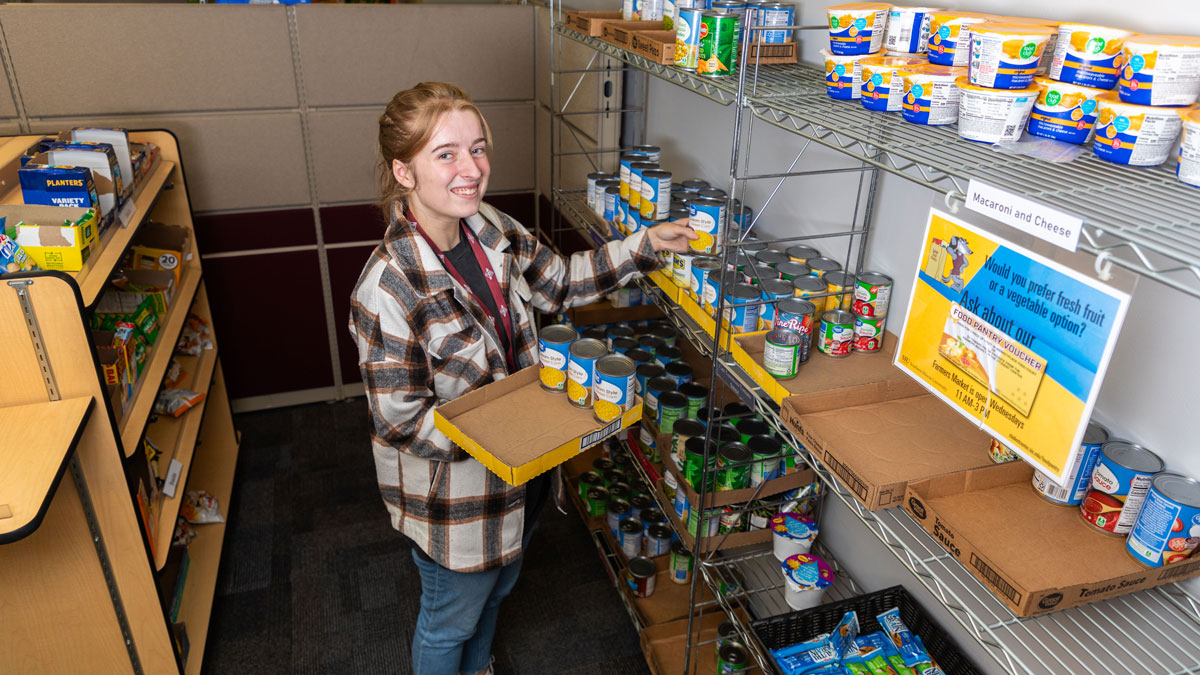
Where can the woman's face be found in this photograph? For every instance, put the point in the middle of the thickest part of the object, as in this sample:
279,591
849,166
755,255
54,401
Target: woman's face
450,173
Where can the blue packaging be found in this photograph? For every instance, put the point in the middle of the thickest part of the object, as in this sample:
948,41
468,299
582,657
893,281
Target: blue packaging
58,186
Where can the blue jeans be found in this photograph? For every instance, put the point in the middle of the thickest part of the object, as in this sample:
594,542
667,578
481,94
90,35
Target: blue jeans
458,616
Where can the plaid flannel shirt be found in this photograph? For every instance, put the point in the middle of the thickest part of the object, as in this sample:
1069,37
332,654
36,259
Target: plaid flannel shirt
424,340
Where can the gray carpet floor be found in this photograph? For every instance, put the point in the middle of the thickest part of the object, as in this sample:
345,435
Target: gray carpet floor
314,580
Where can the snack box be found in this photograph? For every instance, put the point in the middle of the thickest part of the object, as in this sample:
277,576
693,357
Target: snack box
1036,557
55,237
118,139
518,430
105,174
58,185
159,247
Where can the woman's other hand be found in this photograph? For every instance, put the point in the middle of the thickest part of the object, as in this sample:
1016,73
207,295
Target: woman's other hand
672,236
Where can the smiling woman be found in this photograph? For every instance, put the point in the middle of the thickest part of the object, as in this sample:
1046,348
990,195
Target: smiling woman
445,305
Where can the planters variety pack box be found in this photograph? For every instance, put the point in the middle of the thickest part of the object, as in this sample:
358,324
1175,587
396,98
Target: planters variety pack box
61,186
118,139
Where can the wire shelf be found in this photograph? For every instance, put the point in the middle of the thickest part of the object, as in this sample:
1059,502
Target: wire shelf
1151,631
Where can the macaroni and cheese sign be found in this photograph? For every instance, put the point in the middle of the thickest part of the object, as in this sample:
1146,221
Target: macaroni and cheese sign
1012,340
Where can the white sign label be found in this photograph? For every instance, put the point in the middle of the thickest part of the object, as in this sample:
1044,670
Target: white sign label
125,213
1057,227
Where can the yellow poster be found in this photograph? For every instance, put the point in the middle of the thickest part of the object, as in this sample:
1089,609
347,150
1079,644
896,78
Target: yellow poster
1014,341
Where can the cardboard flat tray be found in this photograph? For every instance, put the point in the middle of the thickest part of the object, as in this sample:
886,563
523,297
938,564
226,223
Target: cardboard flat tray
801,476
603,312
824,374
773,53
620,33
665,282
518,430
664,645
877,444
589,23
715,543
1036,557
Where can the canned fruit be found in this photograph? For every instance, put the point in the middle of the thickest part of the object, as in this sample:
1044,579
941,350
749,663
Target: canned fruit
798,316
1137,135
881,88
857,28
1167,529
993,115
950,37
1088,56
1160,70
1064,112
1006,55
930,94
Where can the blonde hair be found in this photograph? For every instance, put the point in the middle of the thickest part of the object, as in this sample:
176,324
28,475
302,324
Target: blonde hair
406,126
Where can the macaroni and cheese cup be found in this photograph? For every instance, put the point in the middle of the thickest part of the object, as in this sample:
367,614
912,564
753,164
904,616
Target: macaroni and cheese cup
1005,55
930,94
857,28
1051,44
1087,55
1160,70
908,29
1137,135
993,115
1188,169
1063,111
843,74
881,88
950,37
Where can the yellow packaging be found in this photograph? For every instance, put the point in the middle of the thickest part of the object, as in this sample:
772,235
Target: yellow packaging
54,237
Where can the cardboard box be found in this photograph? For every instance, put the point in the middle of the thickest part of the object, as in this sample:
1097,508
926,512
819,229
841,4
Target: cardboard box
801,476
877,444
665,645
714,543
134,287
822,373
620,33
160,247
603,312
55,237
765,54
1036,557
656,45
589,23
518,430
669,602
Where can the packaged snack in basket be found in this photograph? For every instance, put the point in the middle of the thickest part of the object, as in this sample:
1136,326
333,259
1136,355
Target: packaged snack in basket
175,375
200,507
196,336
887,651
184,533
911,649
175,402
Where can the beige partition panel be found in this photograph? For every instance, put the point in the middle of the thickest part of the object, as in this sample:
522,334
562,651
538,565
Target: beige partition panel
362,55
103,59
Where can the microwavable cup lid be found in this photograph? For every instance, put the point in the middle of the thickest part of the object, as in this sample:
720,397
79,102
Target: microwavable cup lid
806,572
793,526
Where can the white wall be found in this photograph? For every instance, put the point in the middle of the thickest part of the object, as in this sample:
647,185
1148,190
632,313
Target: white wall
1152,382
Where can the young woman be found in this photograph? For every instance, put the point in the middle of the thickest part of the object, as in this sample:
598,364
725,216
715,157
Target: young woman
443,306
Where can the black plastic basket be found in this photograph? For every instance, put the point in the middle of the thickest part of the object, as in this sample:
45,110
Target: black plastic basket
790,629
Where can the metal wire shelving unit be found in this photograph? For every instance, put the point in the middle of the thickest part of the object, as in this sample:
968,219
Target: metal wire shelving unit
1152,631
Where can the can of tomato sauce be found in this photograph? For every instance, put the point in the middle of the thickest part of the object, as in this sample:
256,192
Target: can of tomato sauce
1168,527
1119,485
1079,478
836,333
868,333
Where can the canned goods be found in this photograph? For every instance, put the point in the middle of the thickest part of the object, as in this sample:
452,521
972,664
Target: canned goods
681,269
710,526
1079,477
1167,529
801,253
760,516
790,270
665,332
618,510
672,406
872,294
712,286
775,14
581,363
757,272
683,431
707,217
650,343
623,346
613,387
772,290
733,469
839,282
666,355
656,194
612,478
592,178
701,268
597,501
730,522
630,537
612,203
640,357
771,257
807,287
687,44
781,353
658,541
602,464
645,372
654,389
637,503
750,427
554,342
681,373
697,396
636,172
742,216
587,481
820,266
623,174
697,463
739,314
737,411
798,316
868,333
1119,486
682,505
681,563
836,333
633,220
695,185
726,633
718,44
765,451
1001,454
640,575
652,153
650,517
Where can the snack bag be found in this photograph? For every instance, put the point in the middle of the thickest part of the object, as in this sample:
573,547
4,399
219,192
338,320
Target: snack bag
175,402
200,507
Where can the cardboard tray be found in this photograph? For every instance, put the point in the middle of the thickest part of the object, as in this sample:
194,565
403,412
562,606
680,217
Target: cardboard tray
589,23
666,284
518,431
1036,557
765,54
715,543
620,33
656,45
664,645
603,312
822,373
801,476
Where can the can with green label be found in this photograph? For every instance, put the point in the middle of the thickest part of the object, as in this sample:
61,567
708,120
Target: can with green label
597,501
732,658
734,472
697,396
672,406
587,481
718,44
681,563
684,431
766,451
696,461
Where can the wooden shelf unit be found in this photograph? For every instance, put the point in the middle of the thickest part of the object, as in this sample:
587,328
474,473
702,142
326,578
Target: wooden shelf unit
73,604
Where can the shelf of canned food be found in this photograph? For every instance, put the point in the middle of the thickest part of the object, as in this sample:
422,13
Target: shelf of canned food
1139,218
1164,621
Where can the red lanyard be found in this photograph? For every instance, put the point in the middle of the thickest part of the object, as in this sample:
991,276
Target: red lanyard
505,323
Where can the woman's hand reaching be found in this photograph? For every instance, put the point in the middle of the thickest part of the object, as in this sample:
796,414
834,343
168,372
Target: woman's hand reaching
672,236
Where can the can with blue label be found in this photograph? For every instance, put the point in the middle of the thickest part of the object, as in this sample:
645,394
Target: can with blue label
681,270
1167,529
621,214
712,288
636,171
627,161
658,540
581,364
1119,486
1064,112
708,218
772,14
701,268
612,202
554,343
772,290
687,40
656,194
633,221
1079,478
740,315
631,537
681,563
